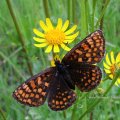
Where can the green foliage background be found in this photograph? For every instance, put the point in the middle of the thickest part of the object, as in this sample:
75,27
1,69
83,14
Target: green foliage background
19,59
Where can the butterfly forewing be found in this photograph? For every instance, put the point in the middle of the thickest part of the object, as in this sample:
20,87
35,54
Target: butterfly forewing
91,50
34,91
85,76
60,96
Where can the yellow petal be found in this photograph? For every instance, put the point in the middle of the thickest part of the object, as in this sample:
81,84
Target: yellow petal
38,33
71,30
117,83
107,71
65,47
56,49
49,24
43,26
72,36
108,60
119,65
52,63
59,25
48,49
39,39
65,26
118,58
106,66
41,45
112,57
68,41
111,76
118,80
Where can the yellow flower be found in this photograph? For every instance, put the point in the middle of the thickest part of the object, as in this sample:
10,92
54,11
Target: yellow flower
54,37
111,65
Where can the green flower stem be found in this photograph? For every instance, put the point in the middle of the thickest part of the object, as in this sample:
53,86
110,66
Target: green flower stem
103,12
87,15
73,11
45,4
73,112
93,13
85,108
54,54
20,36
100,99
2,114
102,19
83,18
64,115
70,10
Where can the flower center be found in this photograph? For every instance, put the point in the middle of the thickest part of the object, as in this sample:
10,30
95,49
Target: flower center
55,36
113,68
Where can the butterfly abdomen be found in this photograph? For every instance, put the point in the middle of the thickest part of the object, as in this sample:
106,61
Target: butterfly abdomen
62,70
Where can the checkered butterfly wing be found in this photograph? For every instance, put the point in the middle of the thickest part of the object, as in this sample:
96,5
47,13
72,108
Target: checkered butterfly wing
85,76
80,59
90,50
60,96
33,92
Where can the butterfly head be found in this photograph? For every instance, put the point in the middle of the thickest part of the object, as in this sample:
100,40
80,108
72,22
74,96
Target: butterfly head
57,62
59,66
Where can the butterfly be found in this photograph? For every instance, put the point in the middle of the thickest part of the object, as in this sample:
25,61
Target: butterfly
57,84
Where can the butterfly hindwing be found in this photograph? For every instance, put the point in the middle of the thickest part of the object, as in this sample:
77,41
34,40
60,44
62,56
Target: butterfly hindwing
60,96
91,50
34,91
85,76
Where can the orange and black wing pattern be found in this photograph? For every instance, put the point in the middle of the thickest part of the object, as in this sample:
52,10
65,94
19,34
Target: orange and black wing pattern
86,76
90,50
34,91
56,84
60,96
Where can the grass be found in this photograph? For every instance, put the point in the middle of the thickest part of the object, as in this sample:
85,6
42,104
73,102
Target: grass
19,59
